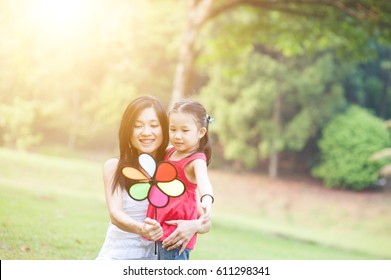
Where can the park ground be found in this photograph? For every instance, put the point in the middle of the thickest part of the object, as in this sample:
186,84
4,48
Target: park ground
53,207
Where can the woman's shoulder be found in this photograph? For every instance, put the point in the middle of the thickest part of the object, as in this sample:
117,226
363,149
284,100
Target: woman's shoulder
110,164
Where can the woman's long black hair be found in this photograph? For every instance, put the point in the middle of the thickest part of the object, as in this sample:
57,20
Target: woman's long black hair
128,154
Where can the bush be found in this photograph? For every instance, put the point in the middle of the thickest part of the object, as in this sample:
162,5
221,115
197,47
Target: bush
347,144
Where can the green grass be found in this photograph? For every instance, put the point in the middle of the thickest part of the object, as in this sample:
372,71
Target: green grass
50,208
234,239
36,225
238,242
54,208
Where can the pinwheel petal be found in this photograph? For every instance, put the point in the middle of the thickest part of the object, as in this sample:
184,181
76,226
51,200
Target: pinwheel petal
133,173
148,163
166,172
157,198
139,191
173,188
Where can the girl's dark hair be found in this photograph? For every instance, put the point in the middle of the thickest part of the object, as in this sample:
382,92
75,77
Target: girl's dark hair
198,111
129,155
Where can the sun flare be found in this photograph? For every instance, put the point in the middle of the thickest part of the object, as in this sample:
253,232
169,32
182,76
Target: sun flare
59,16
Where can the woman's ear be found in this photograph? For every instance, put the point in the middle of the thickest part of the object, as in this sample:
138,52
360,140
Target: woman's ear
202,132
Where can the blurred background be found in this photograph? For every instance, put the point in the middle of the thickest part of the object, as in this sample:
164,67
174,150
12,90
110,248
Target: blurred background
301,96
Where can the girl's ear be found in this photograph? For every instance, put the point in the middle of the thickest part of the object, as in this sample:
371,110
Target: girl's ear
202,132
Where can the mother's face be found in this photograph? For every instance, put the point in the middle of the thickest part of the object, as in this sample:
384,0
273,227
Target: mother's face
147,135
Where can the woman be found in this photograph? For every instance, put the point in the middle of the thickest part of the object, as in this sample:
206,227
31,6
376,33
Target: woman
143,129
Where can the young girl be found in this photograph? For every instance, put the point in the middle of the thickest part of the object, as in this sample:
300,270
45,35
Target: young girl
190,154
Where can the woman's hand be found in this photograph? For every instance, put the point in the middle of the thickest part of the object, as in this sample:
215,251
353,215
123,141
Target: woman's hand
182,234
152,229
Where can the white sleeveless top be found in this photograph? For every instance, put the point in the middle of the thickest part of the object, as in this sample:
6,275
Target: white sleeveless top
123,245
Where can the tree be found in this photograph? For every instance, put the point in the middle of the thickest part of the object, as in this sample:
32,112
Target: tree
78,82
258,116
368,82
341,16
16,122
347,143
384,155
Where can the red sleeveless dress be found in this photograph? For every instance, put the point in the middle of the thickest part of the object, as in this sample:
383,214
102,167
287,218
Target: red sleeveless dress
183,207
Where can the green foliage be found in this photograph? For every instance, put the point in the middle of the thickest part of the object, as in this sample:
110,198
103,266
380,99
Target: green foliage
368,82
241,97
347,144
302,29
299,54
384,155
72,85
16,122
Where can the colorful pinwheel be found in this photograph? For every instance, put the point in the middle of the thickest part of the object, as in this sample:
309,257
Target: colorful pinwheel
157,187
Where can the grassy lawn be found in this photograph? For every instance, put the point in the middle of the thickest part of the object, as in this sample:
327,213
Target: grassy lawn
54,208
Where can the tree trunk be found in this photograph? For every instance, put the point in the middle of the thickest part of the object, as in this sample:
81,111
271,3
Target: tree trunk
384,95
183,71
276,118
74,120
201,11
198,13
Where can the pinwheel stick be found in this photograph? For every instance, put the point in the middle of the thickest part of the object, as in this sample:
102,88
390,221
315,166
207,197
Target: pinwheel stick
156,182
156,248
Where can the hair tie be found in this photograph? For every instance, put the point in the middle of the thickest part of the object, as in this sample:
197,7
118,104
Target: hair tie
209,119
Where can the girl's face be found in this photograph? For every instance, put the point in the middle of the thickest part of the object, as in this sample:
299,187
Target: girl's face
185,132
147,135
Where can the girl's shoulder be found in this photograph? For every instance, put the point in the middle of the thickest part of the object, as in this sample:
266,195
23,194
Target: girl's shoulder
187,159
169,152
197,155
190,159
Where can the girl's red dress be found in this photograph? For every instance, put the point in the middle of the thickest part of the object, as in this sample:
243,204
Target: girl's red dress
183,207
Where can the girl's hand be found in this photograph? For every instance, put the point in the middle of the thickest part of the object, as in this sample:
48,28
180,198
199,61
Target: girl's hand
206,205
206,208
182,234
205,218
152,229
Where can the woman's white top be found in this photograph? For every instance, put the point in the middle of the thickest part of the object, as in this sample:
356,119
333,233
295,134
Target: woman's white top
123,245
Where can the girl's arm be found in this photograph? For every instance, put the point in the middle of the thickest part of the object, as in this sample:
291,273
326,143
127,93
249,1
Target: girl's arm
150,228
204,187
205,219
187,228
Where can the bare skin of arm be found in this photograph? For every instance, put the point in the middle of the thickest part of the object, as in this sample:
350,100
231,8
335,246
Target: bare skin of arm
150,228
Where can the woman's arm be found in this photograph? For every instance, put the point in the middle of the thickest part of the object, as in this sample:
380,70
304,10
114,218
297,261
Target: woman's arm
185,231
150,228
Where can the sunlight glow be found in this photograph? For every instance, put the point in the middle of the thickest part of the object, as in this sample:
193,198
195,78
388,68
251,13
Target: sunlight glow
59,16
